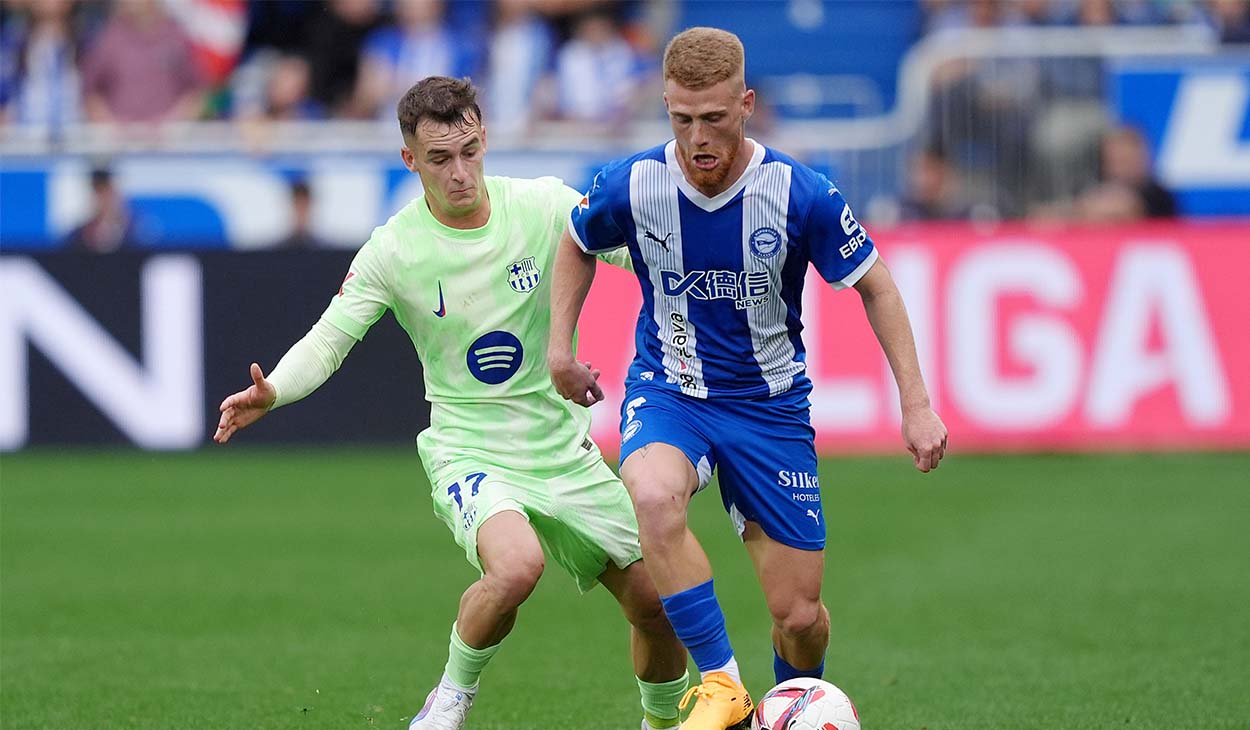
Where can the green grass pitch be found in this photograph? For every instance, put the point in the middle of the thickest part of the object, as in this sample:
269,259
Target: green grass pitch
243,588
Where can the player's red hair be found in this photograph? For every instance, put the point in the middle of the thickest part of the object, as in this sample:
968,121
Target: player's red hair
697,58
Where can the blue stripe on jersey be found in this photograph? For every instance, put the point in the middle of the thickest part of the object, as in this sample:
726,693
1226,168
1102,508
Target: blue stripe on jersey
716,256
793,276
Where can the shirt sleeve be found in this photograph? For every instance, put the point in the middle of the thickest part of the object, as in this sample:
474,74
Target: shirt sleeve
592,222
310,362
563,199
838,245
365,295
566,199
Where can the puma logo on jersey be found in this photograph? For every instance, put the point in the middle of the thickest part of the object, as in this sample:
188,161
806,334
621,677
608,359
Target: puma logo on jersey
662,241
815,515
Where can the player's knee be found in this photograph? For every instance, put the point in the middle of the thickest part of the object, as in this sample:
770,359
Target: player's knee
645,612
798,618
648,617
660,509
514,579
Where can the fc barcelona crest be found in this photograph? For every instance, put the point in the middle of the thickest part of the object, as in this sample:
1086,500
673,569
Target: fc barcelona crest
524,275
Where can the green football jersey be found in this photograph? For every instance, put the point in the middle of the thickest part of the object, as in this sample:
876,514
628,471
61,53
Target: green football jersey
476,304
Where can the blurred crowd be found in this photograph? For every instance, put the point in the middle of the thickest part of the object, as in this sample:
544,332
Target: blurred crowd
143,61
1033,137
1003,138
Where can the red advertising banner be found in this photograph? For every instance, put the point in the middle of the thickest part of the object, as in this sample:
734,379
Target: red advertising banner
1030,339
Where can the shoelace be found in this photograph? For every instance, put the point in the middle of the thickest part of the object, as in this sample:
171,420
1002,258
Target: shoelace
700,690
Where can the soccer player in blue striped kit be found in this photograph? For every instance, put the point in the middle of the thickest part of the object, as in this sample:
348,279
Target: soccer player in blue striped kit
721,231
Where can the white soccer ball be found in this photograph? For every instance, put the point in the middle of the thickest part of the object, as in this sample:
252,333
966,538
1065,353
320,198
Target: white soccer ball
804,703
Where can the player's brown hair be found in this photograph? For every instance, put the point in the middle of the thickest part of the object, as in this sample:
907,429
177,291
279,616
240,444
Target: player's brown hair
700,57
440,98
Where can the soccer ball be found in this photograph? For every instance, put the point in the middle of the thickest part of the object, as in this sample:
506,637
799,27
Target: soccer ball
804,703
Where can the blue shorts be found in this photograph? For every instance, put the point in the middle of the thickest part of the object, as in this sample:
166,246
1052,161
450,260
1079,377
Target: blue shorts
763,449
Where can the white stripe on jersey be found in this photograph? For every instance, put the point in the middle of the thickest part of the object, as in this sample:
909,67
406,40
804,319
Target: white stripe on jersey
653,200
766,204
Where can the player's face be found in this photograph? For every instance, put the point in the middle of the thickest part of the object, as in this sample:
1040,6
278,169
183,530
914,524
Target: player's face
709,125
448,157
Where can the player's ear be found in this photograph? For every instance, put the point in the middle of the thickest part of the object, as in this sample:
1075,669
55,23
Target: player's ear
410,160
748,104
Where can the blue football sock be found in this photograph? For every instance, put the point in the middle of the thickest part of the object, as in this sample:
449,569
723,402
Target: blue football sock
698,621
783,671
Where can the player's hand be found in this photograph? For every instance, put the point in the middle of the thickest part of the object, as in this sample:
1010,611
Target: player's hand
926,437
245,407
575,381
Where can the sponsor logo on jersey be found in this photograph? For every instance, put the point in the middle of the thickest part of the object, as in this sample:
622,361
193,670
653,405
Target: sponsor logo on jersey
797,480
815,515
765,242
747,289
524,275
678,345
494,357
852,228
442,308
646,375
808,485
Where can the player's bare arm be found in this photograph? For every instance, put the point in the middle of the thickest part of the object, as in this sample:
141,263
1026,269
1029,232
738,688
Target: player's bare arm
923,431
573,275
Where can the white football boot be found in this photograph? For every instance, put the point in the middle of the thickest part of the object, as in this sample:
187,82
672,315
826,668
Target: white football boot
445,709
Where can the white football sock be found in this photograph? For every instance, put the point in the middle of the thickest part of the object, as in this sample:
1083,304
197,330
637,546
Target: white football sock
730,668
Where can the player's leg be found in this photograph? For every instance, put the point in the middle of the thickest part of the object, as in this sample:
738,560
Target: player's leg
664,461
511,560
591,531
791,579
661,480
770,487
659,657
486,515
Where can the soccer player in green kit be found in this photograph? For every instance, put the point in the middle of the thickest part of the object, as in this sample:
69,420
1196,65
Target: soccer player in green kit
511,464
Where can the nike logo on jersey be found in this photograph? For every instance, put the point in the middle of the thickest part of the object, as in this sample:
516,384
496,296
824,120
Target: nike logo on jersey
442,308
662,241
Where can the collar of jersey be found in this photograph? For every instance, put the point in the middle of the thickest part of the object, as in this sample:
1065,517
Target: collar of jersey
698,198
467,235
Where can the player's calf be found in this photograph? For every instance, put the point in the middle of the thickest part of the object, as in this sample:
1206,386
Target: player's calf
800,638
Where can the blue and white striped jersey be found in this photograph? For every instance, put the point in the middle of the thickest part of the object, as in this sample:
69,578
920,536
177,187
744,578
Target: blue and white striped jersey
722,277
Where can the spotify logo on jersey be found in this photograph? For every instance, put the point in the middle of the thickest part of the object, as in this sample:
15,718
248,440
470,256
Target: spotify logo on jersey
494,357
